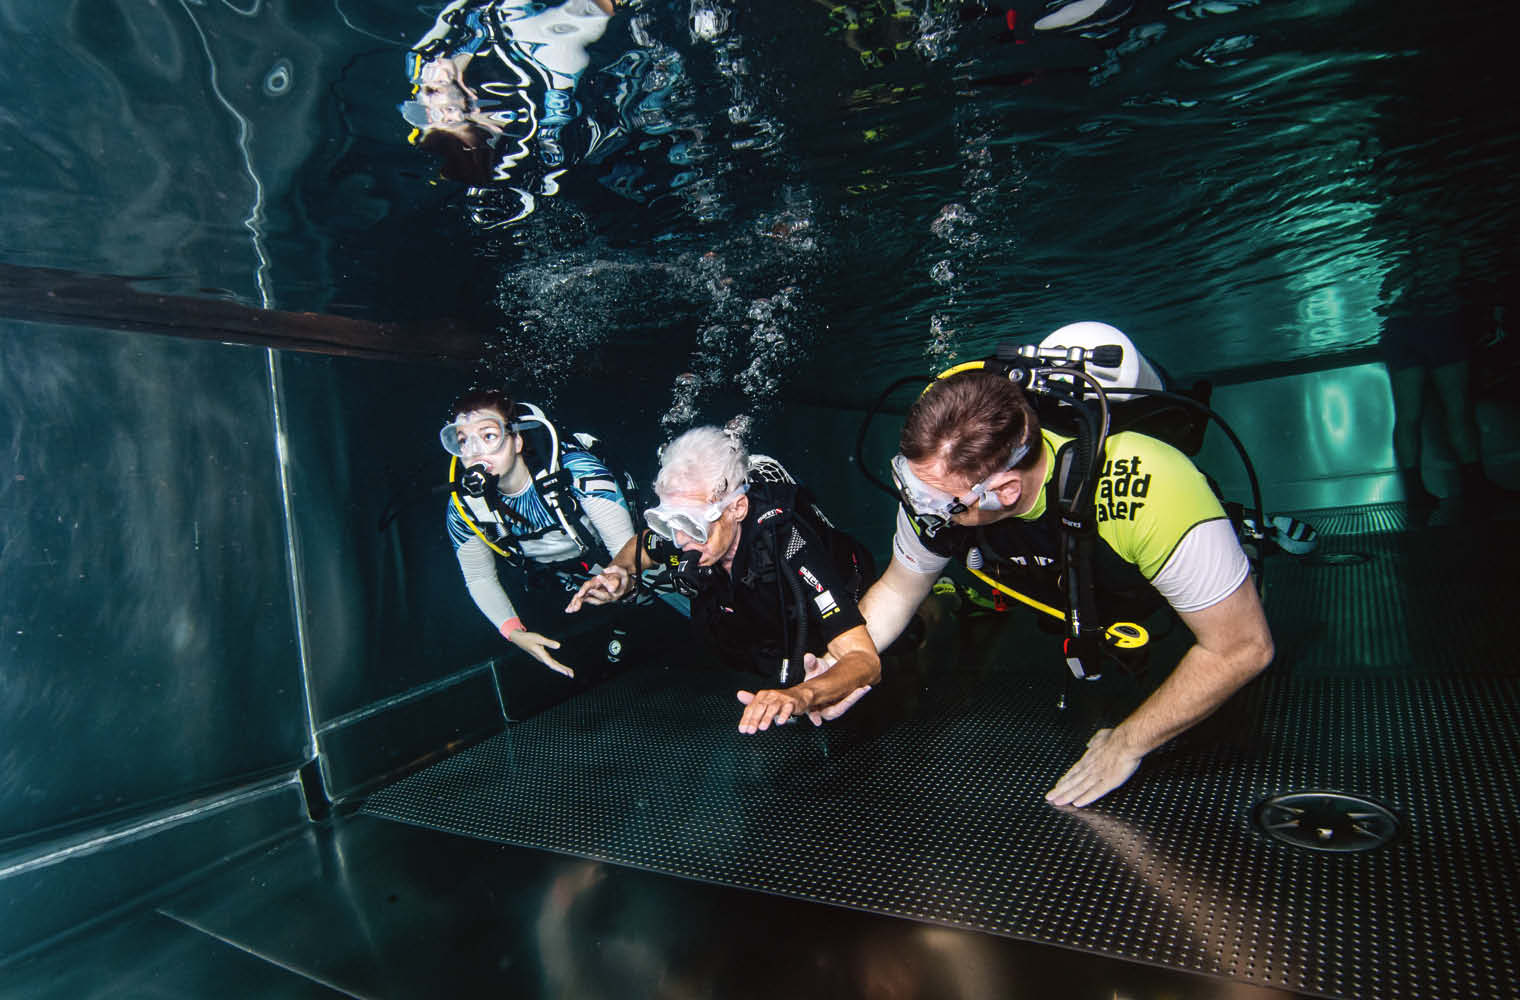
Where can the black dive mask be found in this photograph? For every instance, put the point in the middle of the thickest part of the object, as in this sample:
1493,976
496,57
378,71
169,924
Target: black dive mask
477,482
688,576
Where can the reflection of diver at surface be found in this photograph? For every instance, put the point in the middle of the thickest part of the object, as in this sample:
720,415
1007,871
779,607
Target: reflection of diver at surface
881,30
546,505
1094,528
495,90
875,29
1090,18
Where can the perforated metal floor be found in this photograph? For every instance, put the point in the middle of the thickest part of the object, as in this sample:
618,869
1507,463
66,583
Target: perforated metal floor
1367,519
941,817
1373,599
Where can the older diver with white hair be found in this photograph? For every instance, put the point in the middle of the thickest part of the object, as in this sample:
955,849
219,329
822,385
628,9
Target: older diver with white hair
773,583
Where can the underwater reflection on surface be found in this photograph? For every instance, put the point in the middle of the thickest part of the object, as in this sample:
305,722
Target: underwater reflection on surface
1229,182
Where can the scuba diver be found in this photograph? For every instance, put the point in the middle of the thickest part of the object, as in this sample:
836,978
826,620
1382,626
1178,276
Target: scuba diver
493,92
773,583
1102,526
560,519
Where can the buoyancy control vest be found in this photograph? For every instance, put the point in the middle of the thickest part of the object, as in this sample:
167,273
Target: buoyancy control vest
793,565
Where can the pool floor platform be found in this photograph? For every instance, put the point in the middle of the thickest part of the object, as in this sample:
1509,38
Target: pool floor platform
629,842
1393,682
942,819
364,907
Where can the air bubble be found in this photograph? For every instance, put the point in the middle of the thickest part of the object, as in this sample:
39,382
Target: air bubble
279,78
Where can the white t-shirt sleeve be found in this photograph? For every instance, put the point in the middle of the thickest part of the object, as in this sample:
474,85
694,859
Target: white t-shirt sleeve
908,550
1205,567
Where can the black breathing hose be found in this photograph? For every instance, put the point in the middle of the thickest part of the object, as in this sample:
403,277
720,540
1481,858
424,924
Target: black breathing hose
865,425
1229,432
798,646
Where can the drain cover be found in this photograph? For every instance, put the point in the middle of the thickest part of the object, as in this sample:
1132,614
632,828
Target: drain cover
1327,821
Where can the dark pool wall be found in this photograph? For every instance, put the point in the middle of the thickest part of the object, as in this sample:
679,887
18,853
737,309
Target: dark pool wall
147,647
154,698
387,615
149,650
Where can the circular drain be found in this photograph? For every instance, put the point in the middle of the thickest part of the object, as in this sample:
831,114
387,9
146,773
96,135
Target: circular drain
1327,821
1338,559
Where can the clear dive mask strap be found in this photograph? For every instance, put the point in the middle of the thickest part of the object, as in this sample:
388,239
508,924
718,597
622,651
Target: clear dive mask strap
933,508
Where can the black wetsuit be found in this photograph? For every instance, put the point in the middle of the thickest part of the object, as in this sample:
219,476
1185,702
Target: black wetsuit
790,557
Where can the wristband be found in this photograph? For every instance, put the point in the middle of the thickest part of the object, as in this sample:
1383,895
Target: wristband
513,624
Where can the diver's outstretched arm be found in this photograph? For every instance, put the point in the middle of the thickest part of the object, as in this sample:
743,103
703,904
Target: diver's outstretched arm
1233,645
856,668
538,646
615,581
890,603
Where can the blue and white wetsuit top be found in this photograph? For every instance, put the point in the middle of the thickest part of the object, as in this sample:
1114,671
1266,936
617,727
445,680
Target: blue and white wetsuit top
606,515
591,481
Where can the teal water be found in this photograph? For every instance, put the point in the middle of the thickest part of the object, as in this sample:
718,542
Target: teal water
798,186
229,597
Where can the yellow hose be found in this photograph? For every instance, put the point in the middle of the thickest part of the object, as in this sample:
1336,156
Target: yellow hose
964,366
459,506
1123,635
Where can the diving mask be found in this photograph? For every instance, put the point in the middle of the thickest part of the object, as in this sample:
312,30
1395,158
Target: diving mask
415,113
933,508
692,520
474,438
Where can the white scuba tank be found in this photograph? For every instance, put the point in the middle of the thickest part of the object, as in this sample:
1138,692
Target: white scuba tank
1133,371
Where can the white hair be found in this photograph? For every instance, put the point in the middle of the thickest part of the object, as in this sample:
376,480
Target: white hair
705,460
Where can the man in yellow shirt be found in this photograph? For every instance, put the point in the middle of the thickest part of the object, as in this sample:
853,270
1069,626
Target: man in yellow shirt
974,467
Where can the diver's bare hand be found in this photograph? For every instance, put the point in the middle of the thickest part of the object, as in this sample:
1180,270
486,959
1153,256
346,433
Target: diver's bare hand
762,709
812,666
611,584
1107,764
538,646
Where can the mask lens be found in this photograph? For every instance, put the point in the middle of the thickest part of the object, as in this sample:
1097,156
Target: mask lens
928,506
666,519
474,438
918,496
666,523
